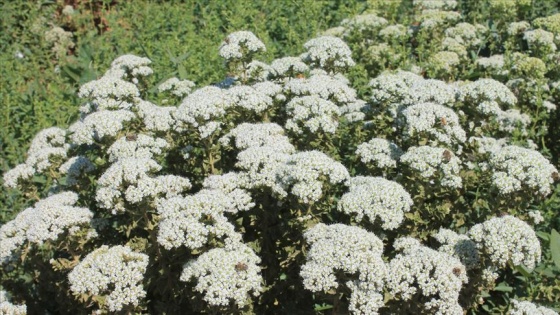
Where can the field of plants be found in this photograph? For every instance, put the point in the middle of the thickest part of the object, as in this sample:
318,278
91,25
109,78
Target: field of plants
280,157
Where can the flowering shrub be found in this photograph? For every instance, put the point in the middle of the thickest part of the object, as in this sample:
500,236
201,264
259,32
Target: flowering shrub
283,189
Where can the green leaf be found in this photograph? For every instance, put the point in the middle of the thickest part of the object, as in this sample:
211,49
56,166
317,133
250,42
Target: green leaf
503,287
555,247
323,307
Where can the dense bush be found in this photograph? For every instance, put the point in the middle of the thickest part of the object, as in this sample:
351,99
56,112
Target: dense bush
423,185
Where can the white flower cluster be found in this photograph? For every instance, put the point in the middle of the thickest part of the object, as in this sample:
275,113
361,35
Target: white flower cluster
391,91
433,18
364,22
394,32
488,144
129,180
507,239
329,53
435,4
99,126
48,144
6,307
130,67
349,249
256,70
110,93
381,152
445,61
518,169
180,88
246,135
265,150
434,276
536,216
541,39
226,275
487,90
303,171
458,246
528,308
517,28
494,63
20,172
139,146
115,272
433,91
203,109
240,45
191,220
312,113
438,122
431,162
75,167
464,33
334,89
233,185
376,197
46,221
288,67
248,98
156,118
354,111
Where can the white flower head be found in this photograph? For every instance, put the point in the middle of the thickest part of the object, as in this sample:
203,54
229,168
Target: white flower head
193,220
156,118
349,249
327,87
75,167
458,246
288,67
179,88
226,275
376,197
528,308
130,68
99,126
435,277
248,98
312,113
241,45
248,135
487,90
380,152
21,172
439,123
432,162
516,169
110,93
138,146
6,307
329,53
302,173
46,221
114,272
506,239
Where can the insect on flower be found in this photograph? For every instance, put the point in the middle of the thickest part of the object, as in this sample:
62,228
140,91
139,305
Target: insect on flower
457,271
447,155
241,266
555,176
443,121
131,137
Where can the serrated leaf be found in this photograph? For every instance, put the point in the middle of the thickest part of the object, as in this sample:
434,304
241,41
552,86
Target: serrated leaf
555,247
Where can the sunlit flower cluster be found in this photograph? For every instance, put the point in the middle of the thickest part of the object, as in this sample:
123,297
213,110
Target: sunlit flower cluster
507,239
115,272
226,275
376,197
